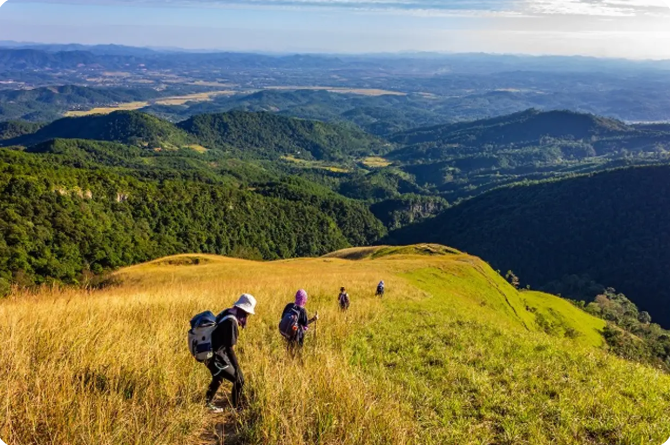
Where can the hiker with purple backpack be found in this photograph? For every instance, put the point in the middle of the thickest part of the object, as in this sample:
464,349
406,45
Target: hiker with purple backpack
343,299
294,321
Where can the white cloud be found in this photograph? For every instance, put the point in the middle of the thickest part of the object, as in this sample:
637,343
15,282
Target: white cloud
604,8
422,8
417,7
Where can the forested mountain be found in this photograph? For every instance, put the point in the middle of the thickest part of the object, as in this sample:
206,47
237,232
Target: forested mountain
270,135
466,159
609,228
13,129
128,127
64,212
49,103
380,115
520,128
561,134
250,134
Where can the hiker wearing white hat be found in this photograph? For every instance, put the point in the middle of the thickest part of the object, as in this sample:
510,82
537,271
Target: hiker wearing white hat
224,365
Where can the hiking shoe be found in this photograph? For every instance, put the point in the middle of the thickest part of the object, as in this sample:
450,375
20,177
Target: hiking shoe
214,409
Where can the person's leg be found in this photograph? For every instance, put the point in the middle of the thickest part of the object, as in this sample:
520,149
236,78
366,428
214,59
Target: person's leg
216,368
238,386
224,371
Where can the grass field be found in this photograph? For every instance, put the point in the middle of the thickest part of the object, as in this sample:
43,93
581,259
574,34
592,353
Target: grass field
451,355
375,162
171,100
315,164
106,110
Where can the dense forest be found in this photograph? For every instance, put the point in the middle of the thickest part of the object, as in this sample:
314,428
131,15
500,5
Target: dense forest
571,236
71,206
269,135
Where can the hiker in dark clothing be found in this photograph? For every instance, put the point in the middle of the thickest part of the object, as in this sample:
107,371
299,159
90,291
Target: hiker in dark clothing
224,365
302,323
380,289
343,299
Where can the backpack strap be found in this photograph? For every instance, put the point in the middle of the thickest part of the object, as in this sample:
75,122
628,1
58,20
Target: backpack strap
229,317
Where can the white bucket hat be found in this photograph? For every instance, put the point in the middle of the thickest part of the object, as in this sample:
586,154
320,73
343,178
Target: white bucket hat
247,303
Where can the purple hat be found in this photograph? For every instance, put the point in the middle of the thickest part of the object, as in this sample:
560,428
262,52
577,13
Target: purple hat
301,298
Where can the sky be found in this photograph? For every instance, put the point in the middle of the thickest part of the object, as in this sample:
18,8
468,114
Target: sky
638,29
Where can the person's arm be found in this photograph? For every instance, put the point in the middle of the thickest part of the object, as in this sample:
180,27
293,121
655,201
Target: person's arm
229,349
230,353
313,319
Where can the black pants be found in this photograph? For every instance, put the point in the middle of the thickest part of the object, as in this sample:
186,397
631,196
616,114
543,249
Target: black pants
222,370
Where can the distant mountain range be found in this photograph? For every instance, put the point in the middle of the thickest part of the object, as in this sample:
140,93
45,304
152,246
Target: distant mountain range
17,54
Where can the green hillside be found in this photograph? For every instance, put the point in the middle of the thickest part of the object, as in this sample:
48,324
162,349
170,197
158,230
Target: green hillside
451,355
13,129
270,135
466,159
127,127
518,128
609,226
49,103
71,207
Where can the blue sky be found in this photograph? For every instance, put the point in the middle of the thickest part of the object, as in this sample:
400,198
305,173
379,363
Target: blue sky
609,28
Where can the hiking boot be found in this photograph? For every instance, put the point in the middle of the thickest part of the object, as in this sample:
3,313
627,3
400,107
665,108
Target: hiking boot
214,409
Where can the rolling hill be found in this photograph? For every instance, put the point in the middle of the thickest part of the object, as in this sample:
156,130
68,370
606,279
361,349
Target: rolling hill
45,104
246,134
14,129
466,159
520,128
451,355
270,135
611,226
127,127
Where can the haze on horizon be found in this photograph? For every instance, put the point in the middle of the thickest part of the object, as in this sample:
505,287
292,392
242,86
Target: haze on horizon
637,29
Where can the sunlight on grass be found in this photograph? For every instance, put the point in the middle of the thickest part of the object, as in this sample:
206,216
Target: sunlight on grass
375,162
452,354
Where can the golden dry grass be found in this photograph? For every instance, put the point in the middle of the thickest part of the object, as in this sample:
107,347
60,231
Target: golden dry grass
315,164
106,110
112,366
197,148
171,100
196,97
375,162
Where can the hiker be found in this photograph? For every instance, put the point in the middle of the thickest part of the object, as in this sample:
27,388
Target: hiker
343,299
221,359
294,322
380,289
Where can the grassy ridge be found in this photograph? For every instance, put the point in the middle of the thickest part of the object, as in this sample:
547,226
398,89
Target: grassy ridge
611,226
451,355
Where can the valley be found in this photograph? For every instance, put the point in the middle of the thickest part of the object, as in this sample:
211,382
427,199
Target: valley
515,206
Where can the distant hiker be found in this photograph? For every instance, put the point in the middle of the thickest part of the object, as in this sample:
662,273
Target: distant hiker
380,289
343,299
294,322
212,341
